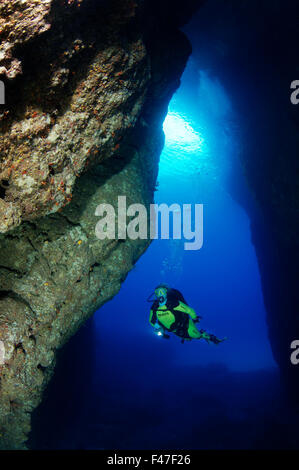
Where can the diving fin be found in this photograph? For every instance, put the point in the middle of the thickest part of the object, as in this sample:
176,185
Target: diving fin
216,340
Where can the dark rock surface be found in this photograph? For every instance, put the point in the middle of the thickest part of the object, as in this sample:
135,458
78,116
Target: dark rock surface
250,46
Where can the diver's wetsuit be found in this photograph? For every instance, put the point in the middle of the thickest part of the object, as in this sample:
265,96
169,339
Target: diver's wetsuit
177,317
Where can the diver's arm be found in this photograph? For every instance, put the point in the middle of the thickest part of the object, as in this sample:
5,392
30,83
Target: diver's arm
186,309
151,318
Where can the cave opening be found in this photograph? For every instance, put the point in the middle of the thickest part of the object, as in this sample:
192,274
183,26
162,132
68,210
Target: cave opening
200,153
199,161
130,389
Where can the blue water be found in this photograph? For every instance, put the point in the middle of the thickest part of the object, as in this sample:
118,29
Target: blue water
220,281
120,386
156,393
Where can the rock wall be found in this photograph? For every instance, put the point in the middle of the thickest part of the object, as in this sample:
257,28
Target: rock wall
87,88
251,47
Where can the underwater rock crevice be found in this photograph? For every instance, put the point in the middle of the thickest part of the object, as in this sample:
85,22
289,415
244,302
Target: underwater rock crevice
253,55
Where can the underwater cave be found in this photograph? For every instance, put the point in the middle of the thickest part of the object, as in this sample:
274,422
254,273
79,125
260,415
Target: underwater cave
206,118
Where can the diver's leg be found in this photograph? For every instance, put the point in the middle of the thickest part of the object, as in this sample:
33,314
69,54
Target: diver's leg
211,338
195,334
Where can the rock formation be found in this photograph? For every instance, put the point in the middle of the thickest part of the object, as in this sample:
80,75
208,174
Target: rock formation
251,47
87,88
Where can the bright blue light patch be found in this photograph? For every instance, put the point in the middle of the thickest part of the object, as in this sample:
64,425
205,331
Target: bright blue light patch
185,148
180,134
198,146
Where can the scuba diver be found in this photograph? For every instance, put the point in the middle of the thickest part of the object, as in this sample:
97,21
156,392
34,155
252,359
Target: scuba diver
170,312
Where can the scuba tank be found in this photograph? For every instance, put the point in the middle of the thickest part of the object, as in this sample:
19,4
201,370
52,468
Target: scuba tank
174,295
